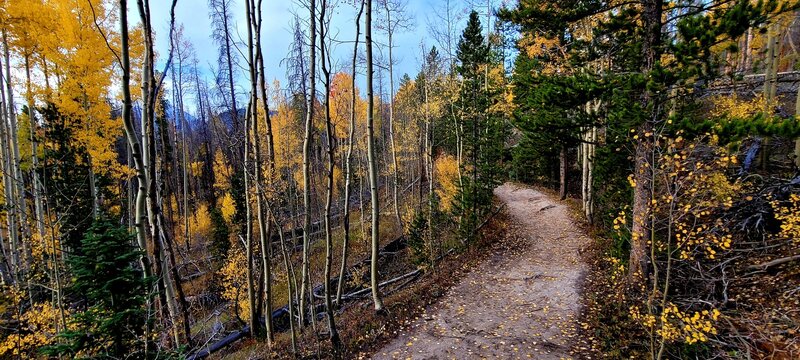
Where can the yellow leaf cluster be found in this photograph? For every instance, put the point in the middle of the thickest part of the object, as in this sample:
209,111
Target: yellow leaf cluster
789,216
228,207
700,190
234,280
199,226
736,106
37,328
446,168
674,325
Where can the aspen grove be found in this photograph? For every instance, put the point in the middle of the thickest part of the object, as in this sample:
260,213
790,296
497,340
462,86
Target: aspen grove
233,179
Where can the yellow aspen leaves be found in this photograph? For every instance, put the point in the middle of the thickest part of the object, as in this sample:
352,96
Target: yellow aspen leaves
789,216
446,168
673,325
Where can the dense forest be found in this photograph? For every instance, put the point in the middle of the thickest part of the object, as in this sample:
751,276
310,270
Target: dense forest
156,204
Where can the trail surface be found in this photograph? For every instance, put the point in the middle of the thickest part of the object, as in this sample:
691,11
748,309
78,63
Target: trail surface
522,302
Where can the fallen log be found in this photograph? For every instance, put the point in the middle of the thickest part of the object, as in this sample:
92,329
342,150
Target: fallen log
279,314
772,263
355,294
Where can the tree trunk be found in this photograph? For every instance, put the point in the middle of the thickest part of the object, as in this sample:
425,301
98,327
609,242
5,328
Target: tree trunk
162,245
348,160
251,299
373,171
589,211
264,226
37,183
391,116
797,141
429,137
136,154
770,88
231,85
333,334
643,168
9,143
6,169
312,77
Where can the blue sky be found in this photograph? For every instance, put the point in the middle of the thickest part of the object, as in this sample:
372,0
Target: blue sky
276,36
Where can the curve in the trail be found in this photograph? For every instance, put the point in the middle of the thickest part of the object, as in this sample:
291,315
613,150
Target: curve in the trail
522,302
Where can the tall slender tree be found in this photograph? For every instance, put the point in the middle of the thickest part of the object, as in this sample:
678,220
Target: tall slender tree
372,164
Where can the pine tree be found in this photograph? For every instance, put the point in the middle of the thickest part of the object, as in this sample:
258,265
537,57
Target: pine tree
484,132
111,322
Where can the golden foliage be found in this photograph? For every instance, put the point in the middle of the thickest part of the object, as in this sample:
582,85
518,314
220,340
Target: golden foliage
37,328
200,226
700,189
789,216
446,168
228,207
735,106
287,134
234,280
674,325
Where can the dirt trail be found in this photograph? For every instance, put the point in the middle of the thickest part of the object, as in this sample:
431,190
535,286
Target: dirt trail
521,303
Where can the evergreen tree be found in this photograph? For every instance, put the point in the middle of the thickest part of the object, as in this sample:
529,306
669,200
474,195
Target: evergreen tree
649,58
483,131
68,176
110,324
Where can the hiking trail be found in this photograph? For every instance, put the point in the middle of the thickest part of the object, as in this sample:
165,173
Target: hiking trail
521,302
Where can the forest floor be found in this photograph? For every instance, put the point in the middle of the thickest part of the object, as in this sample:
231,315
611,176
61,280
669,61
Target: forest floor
522,302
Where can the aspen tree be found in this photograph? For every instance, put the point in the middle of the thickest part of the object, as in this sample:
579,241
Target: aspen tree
373,171
136,154
325,59
310,103
221,18
349,158
249,135
263,207
11,167
165,263
396,20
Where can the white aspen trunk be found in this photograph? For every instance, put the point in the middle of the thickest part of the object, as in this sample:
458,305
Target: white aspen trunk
264,226
745,63
37,183
251,121
333,334
9,165
391,116
306,158
797,141
373,171
362,223
429,137
590,173
170,284
347,161
8,199
251,297
770,84
583,156
587,156
184,156
136,154
93,190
